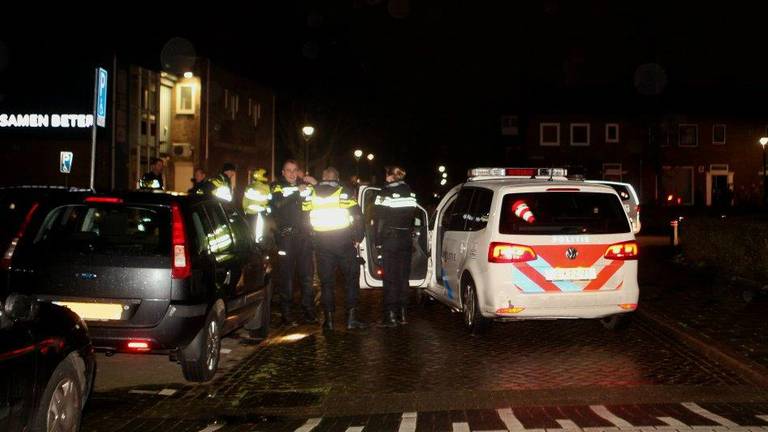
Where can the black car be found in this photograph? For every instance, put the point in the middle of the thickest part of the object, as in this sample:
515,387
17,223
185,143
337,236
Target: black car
149,272
46,366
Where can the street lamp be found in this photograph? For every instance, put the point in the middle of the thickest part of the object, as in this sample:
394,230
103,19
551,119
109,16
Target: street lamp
441,168
358,154
443,182
307,131
763,142
370,157
445,175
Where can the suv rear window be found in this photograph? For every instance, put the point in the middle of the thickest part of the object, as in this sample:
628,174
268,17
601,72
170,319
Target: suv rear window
106,229
562,213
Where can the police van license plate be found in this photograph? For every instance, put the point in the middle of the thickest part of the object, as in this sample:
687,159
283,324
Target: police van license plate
571,274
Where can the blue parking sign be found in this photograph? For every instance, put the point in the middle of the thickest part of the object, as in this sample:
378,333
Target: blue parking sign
65,161
101,105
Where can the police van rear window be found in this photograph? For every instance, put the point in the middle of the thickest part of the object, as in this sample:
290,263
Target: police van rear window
562,213
106,229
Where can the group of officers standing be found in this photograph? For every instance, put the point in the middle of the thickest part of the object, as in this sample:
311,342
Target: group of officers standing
306,217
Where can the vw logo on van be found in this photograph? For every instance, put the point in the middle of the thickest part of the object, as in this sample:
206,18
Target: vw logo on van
571,253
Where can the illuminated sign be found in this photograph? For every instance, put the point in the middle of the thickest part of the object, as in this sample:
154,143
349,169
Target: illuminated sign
46,120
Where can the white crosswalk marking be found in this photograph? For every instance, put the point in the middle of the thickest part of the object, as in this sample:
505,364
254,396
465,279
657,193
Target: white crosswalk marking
309,425
675,423
568,425
213,427
510,421
408,422
722,421
167,392
603,412
762,417
355,429
460,427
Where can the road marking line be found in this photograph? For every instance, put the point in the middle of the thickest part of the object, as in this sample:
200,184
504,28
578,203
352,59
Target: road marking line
167,392
675,423
144,392
695,408
309,425
568,425
213,427
762,417
408,422
460,427
225,350
510,421
355,429
617,421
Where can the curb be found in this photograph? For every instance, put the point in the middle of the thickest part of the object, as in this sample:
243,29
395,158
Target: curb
722,353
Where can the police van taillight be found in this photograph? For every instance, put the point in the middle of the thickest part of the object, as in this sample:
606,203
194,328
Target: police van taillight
182,267
509,253
622,251
5,264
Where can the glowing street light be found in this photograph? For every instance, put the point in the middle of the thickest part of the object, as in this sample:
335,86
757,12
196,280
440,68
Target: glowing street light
370,157
441,168
443,182
188,75
445,175
307,131
763,142
358,154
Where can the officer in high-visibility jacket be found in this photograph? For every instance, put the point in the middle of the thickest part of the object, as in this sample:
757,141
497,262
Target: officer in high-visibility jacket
220,186
294,245
394,212
336,220
256,203
153,179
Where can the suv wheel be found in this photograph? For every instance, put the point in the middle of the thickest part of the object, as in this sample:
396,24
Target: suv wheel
616,322
475,322
61,406
200,359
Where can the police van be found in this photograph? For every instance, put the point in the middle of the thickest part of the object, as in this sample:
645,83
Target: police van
522,243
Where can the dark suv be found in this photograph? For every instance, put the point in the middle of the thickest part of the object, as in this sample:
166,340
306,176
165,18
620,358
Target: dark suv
149,272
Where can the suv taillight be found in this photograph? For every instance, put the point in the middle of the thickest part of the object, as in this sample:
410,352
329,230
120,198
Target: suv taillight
509,253
180,250
622,251
5,264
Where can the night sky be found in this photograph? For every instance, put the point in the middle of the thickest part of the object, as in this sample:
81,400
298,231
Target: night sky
421,80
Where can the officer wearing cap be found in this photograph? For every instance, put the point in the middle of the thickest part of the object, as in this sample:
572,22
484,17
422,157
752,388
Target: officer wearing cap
220,185
335,218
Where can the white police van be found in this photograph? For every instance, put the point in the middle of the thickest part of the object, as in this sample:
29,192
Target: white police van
524,243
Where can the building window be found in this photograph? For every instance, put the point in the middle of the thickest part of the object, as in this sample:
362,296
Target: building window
185,99
549,134
256,115
688,135
579,134
718,134
612,133
612,171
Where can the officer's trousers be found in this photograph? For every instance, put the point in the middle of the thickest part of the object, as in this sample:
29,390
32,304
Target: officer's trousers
295,254
396,251
336,250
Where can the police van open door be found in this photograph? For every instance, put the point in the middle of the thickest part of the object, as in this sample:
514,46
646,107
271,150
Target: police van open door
372,275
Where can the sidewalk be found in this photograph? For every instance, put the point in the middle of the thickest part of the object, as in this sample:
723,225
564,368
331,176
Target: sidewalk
704,310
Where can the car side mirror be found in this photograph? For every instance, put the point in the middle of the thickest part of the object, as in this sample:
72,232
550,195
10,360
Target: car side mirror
19,307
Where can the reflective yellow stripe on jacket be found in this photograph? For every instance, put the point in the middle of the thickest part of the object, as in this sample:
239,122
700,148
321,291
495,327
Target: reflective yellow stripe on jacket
329,213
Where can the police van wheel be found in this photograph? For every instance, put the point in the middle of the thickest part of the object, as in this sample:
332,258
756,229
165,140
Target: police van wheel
473,319
616,322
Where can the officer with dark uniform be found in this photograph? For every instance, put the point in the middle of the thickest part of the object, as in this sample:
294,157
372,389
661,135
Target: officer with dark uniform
293,241
394,212
336,220
153,179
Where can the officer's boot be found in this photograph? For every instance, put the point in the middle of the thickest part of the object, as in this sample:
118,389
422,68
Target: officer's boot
390,319
353,322
401,319
328,322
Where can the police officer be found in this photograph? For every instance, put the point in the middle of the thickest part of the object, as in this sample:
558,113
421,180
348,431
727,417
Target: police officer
394,213
153,179
220,185
293,241
198,179
256,203
336,220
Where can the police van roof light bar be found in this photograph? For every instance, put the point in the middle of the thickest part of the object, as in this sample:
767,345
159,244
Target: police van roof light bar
518,172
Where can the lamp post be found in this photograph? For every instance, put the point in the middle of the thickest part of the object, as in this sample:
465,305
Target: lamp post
358,154
763,142
370,167
307,131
